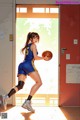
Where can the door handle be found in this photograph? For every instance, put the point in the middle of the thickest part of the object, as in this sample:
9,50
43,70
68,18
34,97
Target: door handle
63,50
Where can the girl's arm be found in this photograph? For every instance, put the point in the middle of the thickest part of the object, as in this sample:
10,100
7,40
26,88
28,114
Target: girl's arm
34,49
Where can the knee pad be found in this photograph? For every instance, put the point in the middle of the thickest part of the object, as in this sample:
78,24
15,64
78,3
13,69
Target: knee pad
20,85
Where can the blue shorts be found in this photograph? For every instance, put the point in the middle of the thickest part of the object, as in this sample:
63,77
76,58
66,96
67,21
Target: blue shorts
26,67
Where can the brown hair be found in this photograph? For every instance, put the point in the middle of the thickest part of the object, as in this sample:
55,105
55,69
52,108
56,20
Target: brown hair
30,35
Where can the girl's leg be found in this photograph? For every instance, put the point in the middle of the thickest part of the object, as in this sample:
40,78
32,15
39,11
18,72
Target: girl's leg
21,81
35,76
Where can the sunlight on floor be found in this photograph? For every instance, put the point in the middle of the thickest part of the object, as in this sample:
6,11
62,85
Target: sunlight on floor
41,113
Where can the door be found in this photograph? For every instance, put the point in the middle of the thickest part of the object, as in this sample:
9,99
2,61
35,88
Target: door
43,19
69,55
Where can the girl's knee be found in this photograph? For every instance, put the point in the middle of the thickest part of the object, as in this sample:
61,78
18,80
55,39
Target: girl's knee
40,83
20,85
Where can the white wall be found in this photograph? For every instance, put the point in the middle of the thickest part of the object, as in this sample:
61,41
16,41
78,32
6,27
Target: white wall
6,46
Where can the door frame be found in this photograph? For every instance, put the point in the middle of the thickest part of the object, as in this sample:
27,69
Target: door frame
37,16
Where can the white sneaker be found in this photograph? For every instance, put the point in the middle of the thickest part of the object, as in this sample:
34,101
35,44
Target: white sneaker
4,101
27,105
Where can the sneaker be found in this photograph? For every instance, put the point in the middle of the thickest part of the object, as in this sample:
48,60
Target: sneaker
4,102
27,105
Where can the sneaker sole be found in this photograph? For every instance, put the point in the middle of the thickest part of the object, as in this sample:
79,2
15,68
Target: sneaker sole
27,108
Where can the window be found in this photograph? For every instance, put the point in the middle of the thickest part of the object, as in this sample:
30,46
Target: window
21,10
45,10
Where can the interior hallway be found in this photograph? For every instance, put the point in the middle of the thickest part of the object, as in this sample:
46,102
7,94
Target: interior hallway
41,113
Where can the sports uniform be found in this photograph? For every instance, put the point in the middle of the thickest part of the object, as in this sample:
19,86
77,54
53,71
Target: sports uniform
27,65
24,68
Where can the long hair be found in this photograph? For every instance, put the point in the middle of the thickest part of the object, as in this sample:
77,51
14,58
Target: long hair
30,35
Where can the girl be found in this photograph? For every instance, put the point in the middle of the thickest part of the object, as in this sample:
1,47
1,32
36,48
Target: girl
27,68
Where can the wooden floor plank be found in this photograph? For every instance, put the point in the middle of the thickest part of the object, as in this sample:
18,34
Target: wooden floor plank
41,113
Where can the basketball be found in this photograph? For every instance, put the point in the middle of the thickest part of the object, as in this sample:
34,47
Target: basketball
47,55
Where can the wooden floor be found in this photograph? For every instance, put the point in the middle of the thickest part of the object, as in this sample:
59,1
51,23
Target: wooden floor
41,113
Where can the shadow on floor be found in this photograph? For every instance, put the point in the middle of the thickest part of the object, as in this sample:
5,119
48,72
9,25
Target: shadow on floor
71,113
27,115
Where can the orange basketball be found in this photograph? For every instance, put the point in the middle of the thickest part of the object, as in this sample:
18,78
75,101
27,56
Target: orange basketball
47,55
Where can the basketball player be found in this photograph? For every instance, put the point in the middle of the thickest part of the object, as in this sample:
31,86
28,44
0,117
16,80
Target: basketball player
27,68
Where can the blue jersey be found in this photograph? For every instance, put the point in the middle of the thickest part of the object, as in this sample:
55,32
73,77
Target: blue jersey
27,66
29,54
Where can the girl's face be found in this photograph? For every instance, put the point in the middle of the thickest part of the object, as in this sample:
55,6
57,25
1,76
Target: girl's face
35,40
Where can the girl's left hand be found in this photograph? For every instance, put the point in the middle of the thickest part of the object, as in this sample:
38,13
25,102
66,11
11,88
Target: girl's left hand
46,58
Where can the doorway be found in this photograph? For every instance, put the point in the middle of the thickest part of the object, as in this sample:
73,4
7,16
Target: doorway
43,19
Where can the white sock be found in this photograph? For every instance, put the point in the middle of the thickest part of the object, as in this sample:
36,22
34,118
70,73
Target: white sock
6,96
